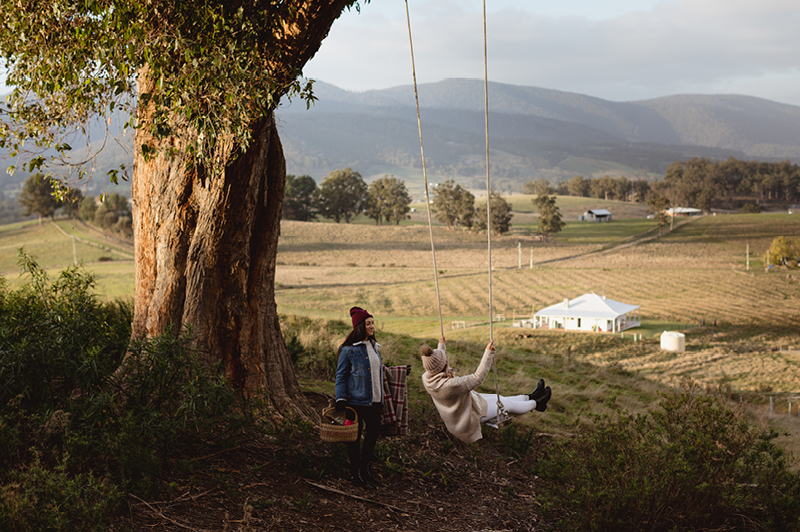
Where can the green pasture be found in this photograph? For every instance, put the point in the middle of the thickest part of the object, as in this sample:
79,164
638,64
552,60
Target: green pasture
695,274
738,228
110,261
90,236
602,233
686,280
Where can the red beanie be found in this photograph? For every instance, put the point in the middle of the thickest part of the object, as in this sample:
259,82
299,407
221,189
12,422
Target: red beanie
358,315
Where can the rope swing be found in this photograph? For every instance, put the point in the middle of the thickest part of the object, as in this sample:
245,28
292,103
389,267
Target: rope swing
502,417
425,175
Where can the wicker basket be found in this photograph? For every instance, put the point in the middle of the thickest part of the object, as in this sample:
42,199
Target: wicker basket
332,430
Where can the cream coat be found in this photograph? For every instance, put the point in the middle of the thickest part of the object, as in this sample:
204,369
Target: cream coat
461,409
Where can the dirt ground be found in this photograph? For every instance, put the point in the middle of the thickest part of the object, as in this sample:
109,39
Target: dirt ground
293,482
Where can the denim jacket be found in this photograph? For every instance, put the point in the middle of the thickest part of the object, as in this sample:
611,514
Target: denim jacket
353,375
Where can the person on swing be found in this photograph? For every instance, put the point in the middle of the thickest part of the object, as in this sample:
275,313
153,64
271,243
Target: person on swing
461,408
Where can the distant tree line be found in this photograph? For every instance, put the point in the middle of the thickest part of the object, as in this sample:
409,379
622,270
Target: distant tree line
700,183
607,188
344,195
112,214
705,184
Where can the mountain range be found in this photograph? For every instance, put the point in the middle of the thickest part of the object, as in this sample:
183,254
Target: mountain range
533,132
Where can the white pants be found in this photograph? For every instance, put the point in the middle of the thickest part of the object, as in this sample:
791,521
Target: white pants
516,404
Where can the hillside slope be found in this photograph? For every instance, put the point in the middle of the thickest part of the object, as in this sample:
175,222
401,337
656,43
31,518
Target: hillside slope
533,131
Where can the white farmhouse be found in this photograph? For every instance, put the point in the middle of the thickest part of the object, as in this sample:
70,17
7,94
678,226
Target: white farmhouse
589,313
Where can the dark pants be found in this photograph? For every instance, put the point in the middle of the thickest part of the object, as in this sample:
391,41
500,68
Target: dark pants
369,423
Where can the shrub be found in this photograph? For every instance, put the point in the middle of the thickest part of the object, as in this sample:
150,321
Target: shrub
39,498
313,345
166,404
65,392
57,342
784,250
694,463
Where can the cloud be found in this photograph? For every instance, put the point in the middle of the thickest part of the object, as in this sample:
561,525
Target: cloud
677,46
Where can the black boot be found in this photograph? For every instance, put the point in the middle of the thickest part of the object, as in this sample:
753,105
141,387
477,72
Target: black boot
357,481
537,393
354,452
368,478
541,403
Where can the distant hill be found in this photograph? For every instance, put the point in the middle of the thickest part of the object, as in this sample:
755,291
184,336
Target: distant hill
533,132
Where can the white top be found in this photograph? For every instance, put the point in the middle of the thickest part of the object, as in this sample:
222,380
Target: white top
375,366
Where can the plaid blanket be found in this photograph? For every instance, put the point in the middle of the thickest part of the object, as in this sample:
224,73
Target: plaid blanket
394,419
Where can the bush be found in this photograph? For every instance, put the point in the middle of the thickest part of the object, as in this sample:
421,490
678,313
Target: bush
313,345
38,498
694,463
784,250
67,389
57,342
170,405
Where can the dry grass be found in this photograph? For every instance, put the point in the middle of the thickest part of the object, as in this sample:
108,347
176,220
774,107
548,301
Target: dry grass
692,277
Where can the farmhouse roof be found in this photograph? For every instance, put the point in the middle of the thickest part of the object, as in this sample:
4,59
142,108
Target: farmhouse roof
589,306
600,212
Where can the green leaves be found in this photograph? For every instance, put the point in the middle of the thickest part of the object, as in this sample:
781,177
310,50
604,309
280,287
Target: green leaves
342,195
549,214
205,71
689,464
454,205
388,199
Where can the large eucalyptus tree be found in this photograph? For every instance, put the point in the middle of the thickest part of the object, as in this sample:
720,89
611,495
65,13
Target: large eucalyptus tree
201,81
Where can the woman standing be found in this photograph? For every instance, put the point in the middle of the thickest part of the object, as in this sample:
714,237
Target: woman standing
460,407
359,385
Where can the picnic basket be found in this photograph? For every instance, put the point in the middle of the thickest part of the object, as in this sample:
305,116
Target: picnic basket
332,428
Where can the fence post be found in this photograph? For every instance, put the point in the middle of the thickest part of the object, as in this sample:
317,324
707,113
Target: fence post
790,408
772,406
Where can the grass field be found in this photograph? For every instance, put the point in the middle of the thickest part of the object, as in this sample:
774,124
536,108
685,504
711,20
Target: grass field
691,279
738,322
53,246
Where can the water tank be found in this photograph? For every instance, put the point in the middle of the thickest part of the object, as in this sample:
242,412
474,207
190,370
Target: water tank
673,341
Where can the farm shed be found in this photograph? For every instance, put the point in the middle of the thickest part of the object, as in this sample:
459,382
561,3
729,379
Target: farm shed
588,313
595,215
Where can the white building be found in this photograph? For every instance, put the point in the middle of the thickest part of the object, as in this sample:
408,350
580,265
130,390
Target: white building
588,313
595,215
683,211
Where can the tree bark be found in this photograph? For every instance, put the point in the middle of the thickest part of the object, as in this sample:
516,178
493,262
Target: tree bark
205,259
206,246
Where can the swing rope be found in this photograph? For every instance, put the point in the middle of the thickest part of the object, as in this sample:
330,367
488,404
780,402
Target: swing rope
425,174
502,415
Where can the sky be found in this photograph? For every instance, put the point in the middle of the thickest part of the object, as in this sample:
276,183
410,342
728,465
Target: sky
618,50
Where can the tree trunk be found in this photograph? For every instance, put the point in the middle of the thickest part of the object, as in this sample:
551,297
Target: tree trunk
205,259
206,246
